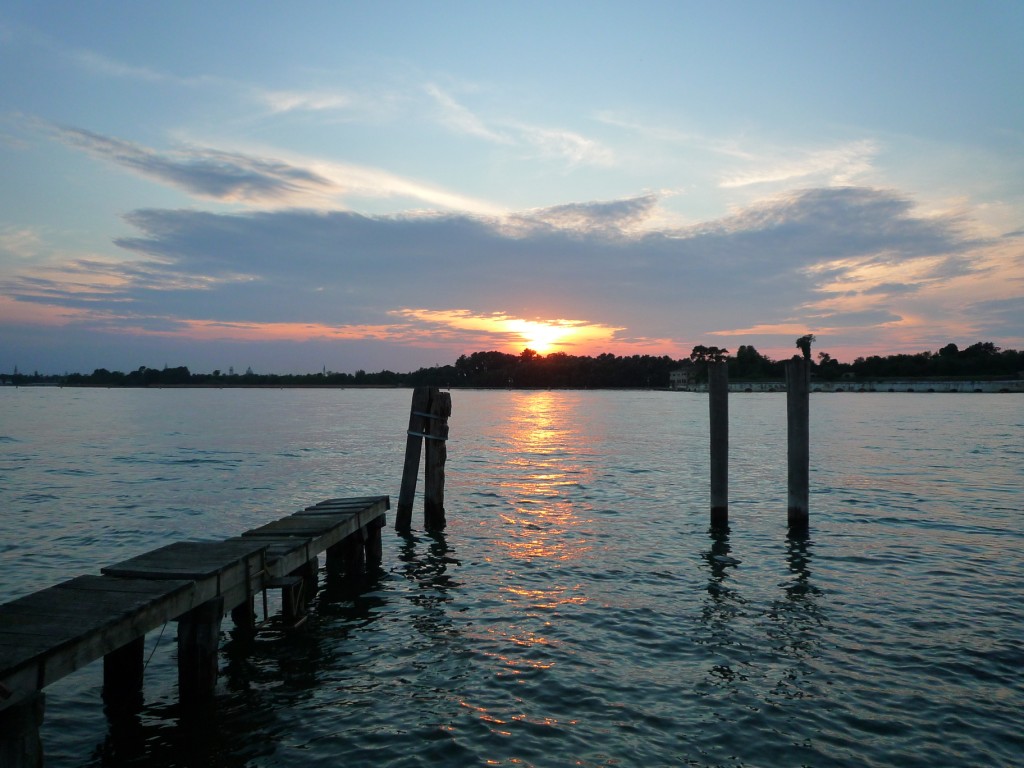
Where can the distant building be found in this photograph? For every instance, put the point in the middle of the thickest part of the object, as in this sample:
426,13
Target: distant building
680,378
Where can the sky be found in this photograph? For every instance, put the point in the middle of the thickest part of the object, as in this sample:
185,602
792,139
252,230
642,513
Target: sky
390,185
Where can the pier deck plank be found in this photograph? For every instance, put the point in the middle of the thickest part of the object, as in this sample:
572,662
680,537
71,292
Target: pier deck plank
49,634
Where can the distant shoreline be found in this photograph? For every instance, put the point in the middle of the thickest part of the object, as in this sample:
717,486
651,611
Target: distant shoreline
923,385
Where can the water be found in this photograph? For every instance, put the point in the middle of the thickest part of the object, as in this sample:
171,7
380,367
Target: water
577,611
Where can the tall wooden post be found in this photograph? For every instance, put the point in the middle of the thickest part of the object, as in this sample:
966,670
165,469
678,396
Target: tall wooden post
198,640
798,372
428,420
437,455
413,447
718,400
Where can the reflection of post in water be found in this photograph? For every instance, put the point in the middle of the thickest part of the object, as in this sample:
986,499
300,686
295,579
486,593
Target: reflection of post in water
797,622
799,559
722,606
719,560
428,569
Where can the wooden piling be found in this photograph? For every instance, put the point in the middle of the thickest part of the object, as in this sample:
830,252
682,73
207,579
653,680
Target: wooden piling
198,640
718,400
428,420
437,455
799,438
413,447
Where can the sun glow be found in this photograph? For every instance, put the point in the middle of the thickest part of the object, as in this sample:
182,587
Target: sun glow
542,336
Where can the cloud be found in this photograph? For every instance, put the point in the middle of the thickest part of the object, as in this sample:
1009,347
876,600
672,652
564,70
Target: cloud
608,217
19,243
305,101
460,119
838,165
261,181
544,142
806,261
104,65
208,173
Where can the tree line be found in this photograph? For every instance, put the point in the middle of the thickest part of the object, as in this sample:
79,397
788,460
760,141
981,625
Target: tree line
557,370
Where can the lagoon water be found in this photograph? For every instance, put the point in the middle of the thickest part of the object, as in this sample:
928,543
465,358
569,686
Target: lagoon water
576,610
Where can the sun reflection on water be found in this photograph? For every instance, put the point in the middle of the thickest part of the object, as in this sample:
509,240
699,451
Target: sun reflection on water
547,468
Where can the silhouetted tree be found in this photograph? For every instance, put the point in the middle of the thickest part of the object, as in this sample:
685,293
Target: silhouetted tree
804,344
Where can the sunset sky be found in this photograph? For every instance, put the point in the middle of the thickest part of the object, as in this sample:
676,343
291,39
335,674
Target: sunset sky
292,186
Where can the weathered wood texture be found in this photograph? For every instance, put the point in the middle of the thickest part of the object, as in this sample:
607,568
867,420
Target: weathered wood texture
413,446
49,634
437,455
198,642
718,403
798,443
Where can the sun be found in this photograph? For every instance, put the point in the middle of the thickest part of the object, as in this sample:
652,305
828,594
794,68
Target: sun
541,337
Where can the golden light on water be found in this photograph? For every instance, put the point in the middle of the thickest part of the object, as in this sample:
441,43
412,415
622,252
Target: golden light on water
545,469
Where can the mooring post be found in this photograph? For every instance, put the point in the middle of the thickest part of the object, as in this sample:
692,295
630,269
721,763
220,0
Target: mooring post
413,443
437,455
20,745
198,639
798,373
718,399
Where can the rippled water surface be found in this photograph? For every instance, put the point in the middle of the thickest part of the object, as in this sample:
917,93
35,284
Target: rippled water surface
577,610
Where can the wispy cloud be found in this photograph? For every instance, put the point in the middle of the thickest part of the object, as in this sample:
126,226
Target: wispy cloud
545,142
460,119
104,65
841,165
208,173
262,180
306,101
20,243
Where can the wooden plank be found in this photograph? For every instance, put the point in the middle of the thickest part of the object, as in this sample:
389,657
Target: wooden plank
356,500
286,554
185,560
363,502
309,526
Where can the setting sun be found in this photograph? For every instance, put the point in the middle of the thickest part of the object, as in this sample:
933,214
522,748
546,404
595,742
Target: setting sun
514,333
541,337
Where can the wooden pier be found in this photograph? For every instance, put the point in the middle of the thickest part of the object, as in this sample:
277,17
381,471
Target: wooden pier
50,634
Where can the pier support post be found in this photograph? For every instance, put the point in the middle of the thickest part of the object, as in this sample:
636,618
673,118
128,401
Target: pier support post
798,422
310,573
123,672
20,745
428,420
718,400
437,455
348,556
244,615
198,640
372,542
